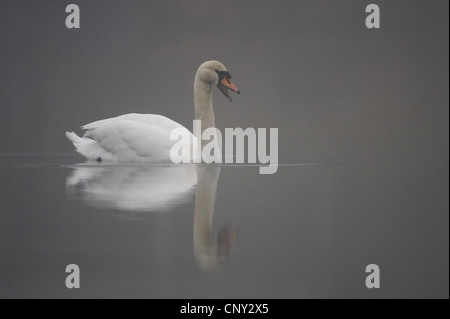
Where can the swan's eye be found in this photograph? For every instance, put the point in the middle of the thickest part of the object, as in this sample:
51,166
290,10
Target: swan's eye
223,74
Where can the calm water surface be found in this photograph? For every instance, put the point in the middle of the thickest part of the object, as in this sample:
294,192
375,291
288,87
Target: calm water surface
225,232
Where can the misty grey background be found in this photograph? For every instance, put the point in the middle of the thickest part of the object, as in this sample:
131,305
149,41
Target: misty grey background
311,68
374,104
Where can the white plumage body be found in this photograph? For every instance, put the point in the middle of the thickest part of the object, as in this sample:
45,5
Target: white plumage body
128,138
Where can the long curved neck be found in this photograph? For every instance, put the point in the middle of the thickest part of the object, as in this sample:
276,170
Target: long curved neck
203,104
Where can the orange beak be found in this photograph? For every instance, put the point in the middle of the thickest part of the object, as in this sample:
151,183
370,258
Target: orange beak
227,83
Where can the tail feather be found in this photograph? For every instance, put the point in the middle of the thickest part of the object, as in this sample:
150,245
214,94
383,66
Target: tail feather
86,146
74,138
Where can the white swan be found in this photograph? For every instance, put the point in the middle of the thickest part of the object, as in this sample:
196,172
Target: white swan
146,137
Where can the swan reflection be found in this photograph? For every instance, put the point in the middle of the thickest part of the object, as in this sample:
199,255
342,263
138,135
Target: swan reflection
210,252
158,189
134,189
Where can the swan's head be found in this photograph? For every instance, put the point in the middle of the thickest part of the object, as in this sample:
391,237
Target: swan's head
215,73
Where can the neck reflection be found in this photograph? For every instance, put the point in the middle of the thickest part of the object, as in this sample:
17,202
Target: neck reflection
211,252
